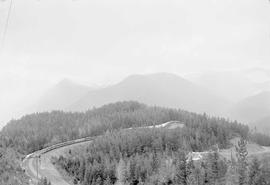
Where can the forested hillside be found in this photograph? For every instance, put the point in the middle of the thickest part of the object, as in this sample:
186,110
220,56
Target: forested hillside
10,170
35,131
159,157
139,155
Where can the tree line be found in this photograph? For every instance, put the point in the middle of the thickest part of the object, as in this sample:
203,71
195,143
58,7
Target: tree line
38,130
159,157
10,170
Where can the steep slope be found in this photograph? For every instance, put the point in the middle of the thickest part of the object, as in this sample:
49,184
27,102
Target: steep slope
60,96
160,89
253,108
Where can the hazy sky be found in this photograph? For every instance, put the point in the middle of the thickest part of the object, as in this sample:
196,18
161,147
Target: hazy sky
102,41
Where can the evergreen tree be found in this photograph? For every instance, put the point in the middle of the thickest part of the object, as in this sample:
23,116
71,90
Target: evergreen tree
255,173
190,167
98,181
191,179
199,175
181,169
44,182
190,171
121,172
231,175
242,154
155,162
213,168
216,169
107,181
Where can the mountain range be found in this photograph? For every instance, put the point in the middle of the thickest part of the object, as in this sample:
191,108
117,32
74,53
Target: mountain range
168,90
161,89
253,108
60,96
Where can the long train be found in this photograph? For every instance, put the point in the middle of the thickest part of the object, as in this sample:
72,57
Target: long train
56,146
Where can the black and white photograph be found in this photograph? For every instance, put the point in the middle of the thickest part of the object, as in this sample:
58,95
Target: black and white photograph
134,92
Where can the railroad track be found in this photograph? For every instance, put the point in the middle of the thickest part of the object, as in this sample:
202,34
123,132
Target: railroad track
37,165
46,169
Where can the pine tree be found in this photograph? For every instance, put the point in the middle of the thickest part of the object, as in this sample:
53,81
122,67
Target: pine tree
190,167
107,181
155,162
98,181
216,169
191,179
181,169
44,182
255,172
231,175
213,167
190,171
242,153
121,172
199,175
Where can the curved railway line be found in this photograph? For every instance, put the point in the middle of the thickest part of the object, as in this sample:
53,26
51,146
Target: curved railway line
38,165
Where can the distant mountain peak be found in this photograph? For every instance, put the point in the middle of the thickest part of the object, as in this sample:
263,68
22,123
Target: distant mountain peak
163,89
156,77
252,108
66,83
60,96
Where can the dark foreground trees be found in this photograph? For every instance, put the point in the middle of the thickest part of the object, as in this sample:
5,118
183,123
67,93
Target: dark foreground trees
241,151
10,170
158,156
44,181
256,174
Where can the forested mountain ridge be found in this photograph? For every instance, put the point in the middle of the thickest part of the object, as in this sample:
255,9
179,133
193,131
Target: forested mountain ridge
36,131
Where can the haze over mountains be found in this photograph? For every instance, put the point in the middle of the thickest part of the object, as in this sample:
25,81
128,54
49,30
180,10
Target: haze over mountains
252,108
228,94
234,85
247,90
229,84
160,89
189,37
60,96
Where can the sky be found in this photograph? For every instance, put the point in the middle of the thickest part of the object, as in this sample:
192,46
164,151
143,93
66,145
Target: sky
99,42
